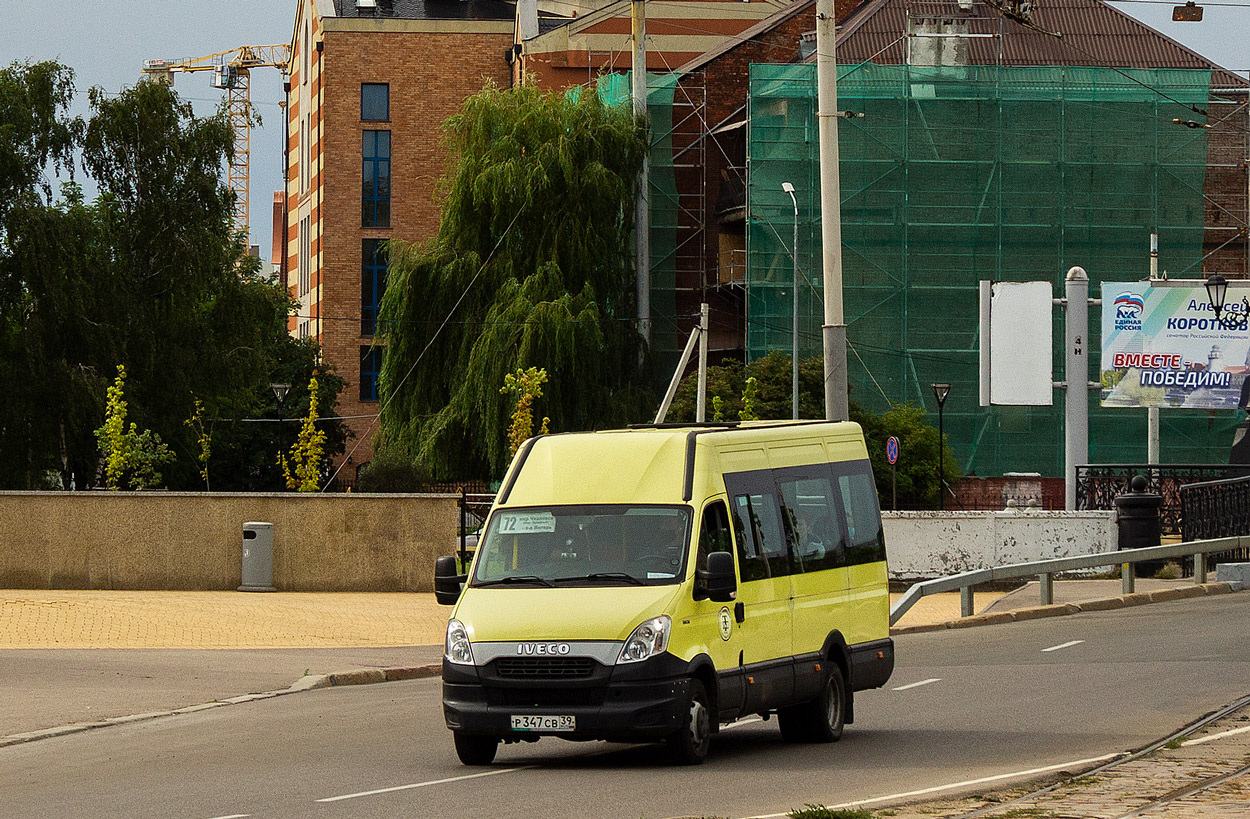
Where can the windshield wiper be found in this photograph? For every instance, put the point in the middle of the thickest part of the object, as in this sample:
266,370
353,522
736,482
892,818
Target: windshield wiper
516,578
628,578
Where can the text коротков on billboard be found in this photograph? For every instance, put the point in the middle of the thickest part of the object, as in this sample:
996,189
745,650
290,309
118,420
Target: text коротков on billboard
1162,347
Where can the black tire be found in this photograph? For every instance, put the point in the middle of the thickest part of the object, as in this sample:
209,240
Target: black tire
828,711
689,744
821,719
474,749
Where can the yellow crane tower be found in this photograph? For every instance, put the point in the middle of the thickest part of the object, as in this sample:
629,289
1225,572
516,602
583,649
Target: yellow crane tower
231,72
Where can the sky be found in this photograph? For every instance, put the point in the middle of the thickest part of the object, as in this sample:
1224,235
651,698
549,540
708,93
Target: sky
106,42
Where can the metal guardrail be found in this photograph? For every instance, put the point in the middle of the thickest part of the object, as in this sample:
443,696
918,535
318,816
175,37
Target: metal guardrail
1045,570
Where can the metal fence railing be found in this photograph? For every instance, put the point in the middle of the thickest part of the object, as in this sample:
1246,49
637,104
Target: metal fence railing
1045,571
1216,509
474,506
1098,485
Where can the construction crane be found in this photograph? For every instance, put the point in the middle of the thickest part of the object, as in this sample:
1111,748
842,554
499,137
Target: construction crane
231,72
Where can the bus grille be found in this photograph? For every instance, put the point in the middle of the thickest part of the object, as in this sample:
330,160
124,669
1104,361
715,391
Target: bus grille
544,668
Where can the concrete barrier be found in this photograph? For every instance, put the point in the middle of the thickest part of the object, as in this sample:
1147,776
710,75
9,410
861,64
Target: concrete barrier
193,541
923,545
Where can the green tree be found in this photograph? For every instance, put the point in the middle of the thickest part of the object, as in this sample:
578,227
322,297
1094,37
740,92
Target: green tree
53,392
532,266
204,437
303,471
525,387
149,274
132,455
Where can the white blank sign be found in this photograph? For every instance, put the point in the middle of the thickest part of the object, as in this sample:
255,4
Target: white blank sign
1020,344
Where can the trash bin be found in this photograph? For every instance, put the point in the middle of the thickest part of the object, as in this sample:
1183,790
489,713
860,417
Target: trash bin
1137,523
257,557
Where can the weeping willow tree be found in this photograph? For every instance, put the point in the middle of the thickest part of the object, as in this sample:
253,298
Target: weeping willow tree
532,267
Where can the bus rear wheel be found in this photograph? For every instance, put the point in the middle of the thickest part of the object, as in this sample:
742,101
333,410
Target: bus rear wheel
821,719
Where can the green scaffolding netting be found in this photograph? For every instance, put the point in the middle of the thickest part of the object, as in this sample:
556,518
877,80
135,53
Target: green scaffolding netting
958,174
615,89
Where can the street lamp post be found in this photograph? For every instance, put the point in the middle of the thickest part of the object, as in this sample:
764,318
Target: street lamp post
940,391
279,393
1232,319
794,334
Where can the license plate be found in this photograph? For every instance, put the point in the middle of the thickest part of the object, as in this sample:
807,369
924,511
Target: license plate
529,722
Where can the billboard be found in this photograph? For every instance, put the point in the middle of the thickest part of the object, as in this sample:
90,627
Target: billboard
1162,347
1020,344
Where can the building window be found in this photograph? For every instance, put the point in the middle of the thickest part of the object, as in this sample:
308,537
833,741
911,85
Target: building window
305,256
372,283
376,187
370,366
375,101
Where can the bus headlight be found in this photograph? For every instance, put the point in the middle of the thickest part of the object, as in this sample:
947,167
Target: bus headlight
457,648
648,640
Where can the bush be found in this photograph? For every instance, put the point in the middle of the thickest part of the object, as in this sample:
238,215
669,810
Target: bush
391,470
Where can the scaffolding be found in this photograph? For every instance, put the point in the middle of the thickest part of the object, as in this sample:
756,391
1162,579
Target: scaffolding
678,200
955,174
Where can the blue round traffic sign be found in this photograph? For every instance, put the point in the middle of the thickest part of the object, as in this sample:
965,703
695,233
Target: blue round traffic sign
891,450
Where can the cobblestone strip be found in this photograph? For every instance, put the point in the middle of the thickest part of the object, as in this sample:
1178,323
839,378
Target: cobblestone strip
1152,787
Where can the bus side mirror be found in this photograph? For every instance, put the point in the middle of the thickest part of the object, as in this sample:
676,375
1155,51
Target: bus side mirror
717,580
447,581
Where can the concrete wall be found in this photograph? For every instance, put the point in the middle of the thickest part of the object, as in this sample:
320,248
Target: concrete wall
922,545
358,542
193,541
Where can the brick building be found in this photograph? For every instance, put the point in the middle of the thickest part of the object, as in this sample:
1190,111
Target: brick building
370,86
371,83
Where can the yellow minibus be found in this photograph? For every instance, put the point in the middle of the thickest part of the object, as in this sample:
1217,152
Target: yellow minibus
654,583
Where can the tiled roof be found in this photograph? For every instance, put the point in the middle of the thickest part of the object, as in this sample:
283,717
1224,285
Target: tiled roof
430,10
1093,33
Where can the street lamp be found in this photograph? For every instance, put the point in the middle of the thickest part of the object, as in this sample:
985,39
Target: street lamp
1217,289
279,392
940,391
794,259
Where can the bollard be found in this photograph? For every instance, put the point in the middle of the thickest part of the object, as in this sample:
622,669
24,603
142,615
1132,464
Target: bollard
1137,522
257,557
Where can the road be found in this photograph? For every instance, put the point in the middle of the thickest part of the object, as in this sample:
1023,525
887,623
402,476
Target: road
963,705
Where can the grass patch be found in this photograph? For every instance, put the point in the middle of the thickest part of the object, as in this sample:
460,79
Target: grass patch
1173,745
1170,571
821,812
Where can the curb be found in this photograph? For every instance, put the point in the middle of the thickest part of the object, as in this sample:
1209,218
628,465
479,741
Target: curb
1064,609
310,682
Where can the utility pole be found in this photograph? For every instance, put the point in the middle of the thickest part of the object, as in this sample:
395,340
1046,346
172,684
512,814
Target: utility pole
834,329
1152,413
1076,378
642,221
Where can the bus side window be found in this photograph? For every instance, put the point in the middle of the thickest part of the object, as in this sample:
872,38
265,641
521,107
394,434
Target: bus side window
752,562
714,533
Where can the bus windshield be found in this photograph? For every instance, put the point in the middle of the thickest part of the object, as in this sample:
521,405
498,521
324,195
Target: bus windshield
560,546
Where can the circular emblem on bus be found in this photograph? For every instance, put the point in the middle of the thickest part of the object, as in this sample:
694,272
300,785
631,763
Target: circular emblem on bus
726,623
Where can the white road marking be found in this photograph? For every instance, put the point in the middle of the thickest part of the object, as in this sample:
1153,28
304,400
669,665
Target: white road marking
1068,644
234,816
425,784
958,785
1220,735
740,723
917,684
